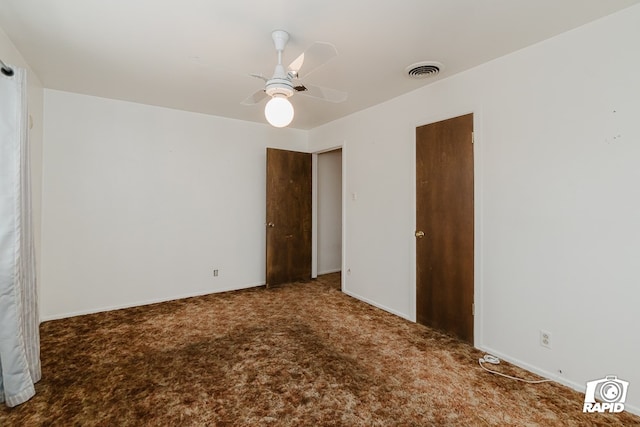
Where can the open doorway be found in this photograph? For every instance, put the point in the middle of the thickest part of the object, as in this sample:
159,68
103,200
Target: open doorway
328,213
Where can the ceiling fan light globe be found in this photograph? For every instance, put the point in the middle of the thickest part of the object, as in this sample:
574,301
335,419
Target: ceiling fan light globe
279,112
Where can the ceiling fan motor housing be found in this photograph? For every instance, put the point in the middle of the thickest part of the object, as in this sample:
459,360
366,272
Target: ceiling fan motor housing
280,84
279,87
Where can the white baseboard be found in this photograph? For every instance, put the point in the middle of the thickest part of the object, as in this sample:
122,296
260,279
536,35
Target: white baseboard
375,304
141,303
549,375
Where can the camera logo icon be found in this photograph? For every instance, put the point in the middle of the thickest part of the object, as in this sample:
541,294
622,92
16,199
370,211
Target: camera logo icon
610,390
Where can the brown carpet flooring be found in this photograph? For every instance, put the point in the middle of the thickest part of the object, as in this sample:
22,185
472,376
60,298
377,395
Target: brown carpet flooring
303,354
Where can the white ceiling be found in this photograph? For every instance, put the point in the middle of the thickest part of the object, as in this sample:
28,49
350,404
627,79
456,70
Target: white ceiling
196,55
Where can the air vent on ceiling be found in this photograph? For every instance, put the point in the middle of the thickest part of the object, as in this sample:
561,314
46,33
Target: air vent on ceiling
423,70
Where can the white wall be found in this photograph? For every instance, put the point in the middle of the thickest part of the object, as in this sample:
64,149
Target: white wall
11,56
557,158
141,203
329,212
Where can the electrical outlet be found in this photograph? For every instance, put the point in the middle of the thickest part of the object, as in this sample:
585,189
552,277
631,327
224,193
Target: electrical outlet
545,339
215,273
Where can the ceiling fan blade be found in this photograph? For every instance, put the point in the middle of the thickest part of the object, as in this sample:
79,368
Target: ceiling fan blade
255,98
259,76
324,93
311,59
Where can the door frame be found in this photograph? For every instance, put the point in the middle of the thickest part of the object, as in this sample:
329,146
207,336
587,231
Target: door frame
477,214
314,210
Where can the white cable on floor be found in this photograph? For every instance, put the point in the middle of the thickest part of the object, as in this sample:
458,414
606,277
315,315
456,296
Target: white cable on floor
488,358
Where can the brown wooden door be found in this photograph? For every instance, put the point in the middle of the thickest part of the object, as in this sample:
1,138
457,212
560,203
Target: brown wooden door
444,213
288,216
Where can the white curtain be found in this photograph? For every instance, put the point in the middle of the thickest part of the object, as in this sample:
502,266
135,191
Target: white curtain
19,322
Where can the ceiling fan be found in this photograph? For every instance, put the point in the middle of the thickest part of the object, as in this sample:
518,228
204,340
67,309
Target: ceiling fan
285,82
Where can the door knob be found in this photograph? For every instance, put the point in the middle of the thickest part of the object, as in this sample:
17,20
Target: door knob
270,225
419,234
